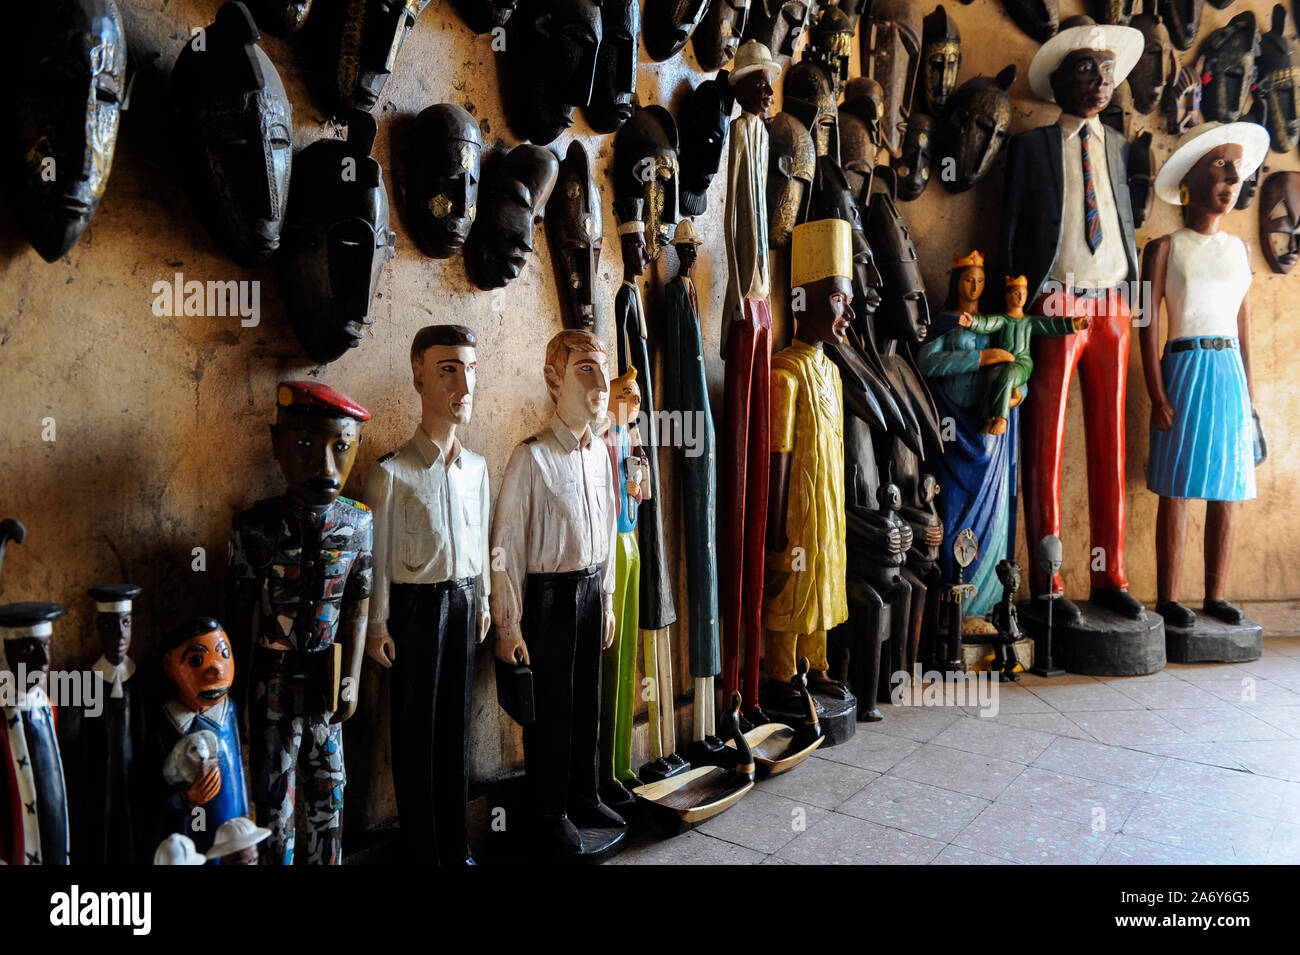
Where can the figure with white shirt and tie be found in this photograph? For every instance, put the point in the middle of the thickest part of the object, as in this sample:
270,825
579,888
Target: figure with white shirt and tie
429,603
553,576
1068,226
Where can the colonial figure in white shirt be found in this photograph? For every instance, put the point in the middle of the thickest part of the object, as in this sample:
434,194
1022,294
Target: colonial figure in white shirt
429,605
553,577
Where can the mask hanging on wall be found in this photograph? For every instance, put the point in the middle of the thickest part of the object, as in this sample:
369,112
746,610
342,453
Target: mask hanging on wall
831,45
1182,101
615,84
778,25
904,313
808,94
718,36
575,225
891,55
336,241
1141,178
370,40
237,125
1279,221
515,189
71,79
977,126
280,17
1038,18
859,132
832,198
1229,73
1183,18
646,167
791,163
1155,68
1279,85
914,166
668,24
443,178
702,124
1250,185
553,47
940,60
483,16
1114,12
853,9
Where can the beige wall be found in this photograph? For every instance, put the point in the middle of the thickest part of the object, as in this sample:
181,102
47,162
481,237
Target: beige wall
161,423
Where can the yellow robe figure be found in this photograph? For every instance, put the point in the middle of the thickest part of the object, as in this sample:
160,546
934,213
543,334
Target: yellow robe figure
806,595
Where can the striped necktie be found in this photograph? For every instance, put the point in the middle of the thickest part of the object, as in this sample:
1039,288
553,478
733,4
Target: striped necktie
1091,220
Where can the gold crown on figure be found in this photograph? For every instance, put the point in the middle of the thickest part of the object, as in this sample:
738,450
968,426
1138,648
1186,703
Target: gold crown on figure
819,250
1017,280
973,259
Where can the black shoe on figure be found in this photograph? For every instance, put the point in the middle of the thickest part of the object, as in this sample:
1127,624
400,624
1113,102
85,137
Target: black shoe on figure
1176,614
558,832
1222,610
709,751
595,813
676,761
755,717
1120,601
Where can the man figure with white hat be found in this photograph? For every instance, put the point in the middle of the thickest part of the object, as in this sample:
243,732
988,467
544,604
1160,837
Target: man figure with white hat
747,350
1068,226
236,842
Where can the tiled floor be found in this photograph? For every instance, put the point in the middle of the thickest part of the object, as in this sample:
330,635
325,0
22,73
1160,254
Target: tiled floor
1192,765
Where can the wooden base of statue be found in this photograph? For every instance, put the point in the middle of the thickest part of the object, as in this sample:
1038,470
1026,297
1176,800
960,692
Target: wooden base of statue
503,832
1213,641
1102,642
839,718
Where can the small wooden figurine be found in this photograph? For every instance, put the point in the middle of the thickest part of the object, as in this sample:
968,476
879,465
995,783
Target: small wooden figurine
1006,621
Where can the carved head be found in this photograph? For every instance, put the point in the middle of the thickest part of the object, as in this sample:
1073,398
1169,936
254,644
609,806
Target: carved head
516,188
575,224
442,188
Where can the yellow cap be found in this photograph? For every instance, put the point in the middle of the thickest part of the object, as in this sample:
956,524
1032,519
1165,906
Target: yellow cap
973,259
1017,280
819,250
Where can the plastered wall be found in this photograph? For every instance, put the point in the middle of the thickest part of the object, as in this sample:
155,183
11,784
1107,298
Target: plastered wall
160,424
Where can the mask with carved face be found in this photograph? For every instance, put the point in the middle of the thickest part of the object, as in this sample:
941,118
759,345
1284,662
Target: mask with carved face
1182,101
831,45
515,190
718,36
575,225
858,123
1183,18
778,24
977,127
336,240
553,48
1230,70
1279,220
668,24
1115,12
891,55
914,165
1038,18
703,125
1156,66
442,191
833,199
646,167
71,78
483,16
1141,178
809,95
371,37
615,84
280,17
904,314
940,60
791,163
1279,85
238,133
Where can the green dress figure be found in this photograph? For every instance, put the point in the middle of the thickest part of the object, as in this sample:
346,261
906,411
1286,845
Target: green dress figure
1005,381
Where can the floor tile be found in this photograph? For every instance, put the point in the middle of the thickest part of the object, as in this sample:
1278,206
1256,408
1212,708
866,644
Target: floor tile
1211,754
1226,836
1133,726
957,855
1221,725
1009,701
1285,718
869,749
819,782
969,773
1285,848
1125,849
1274,667
1099,805
1221,788
1018,835
1169,694
988,737
689,848
1092,696
1146,679
1057,724
918,723
763,821
847,840
1108,764
1278,758
1254,691
925,810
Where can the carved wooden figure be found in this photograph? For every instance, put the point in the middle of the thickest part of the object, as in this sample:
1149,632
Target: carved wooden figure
371,36
1038,18
1156,67
443,178
668,24
717,39
552,48
1202,428
515,190
1229,71
891,55
1279,84
300,578
431,509
1279,221
1006,621
555,528
575,225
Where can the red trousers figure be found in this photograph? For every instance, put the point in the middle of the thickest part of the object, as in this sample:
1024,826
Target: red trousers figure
742,485
1101,354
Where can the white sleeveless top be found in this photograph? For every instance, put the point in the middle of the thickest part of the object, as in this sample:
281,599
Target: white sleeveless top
1207,280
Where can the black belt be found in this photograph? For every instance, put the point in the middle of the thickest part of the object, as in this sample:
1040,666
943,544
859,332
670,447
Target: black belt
586,572
457,584
1209,344
1097,292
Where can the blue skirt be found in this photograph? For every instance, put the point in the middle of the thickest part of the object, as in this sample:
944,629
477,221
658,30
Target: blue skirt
1209,453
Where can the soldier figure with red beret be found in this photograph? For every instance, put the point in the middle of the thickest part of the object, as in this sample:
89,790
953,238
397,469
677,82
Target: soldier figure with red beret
302,562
